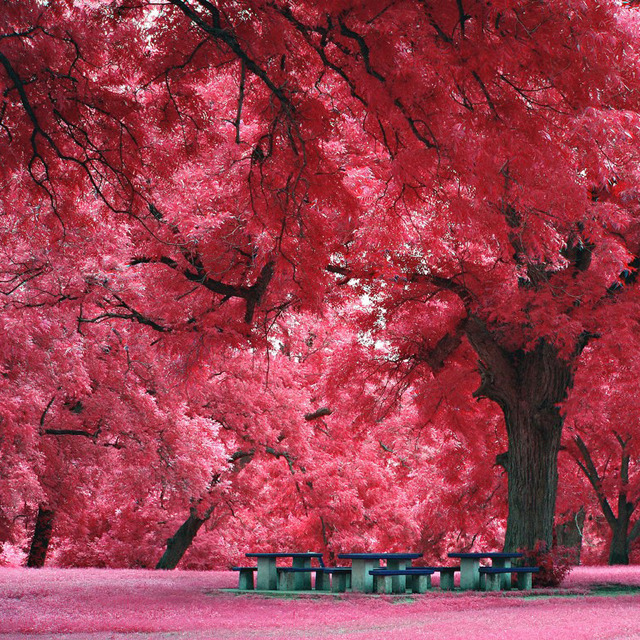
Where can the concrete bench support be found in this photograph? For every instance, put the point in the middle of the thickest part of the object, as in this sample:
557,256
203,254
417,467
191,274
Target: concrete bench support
245,577
323,581
383,584
339,582
525,581
493,578
492,581
420,583
286,581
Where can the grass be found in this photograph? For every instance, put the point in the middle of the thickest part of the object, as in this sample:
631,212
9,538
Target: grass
101,604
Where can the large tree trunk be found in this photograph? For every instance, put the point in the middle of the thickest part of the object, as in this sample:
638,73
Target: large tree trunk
528,386
41,537
532,469
178,544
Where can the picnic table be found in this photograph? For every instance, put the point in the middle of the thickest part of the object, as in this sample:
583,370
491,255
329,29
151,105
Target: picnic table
470,567
363,563
267,576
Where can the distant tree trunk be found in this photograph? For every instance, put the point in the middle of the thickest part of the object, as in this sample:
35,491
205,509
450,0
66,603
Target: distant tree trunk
178,544
619,547
528,386
41,537
569,535
621,537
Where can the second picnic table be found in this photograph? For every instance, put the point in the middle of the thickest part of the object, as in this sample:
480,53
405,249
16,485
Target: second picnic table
470,565
362,563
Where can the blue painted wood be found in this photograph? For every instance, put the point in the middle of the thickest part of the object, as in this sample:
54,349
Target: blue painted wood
283,555
401,572
495,570
491,555
379,556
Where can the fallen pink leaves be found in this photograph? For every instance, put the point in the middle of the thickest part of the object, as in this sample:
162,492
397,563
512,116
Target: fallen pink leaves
104,602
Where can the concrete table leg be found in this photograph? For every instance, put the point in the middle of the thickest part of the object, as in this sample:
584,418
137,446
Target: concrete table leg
399,583
267,578
302,580
469,574
505,578
361,579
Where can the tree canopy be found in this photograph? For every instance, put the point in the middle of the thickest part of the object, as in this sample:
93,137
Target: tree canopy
219,217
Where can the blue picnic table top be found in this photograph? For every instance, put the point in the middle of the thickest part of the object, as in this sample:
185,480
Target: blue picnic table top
379,556
283,555
491,555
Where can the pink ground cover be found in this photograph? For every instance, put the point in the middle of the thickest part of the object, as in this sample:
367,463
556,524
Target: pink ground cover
100,604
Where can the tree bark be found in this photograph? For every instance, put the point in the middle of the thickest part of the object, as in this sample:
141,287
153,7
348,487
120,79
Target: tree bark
528,386
41,537
532,470
619,547
178,544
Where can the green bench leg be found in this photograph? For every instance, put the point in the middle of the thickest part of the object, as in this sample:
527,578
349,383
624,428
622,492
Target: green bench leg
287,581
420,584
245,580
492,581
383,584
322,581
446,580
525,581
338,582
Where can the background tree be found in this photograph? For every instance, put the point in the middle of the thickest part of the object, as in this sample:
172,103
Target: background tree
603,437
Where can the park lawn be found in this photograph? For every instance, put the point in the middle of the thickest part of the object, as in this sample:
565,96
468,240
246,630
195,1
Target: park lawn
101,604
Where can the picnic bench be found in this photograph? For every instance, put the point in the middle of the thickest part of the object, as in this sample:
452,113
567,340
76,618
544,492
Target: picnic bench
446,576
470,567
420,579
491,577
340,579
363,563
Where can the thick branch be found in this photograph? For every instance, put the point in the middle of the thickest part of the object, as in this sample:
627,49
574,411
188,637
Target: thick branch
318,413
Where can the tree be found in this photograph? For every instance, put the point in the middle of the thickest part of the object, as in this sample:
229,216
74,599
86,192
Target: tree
258,157
602,437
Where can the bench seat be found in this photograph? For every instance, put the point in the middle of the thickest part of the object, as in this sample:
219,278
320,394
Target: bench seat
340,578
490,576
446,576
420,578
287,580
324,582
